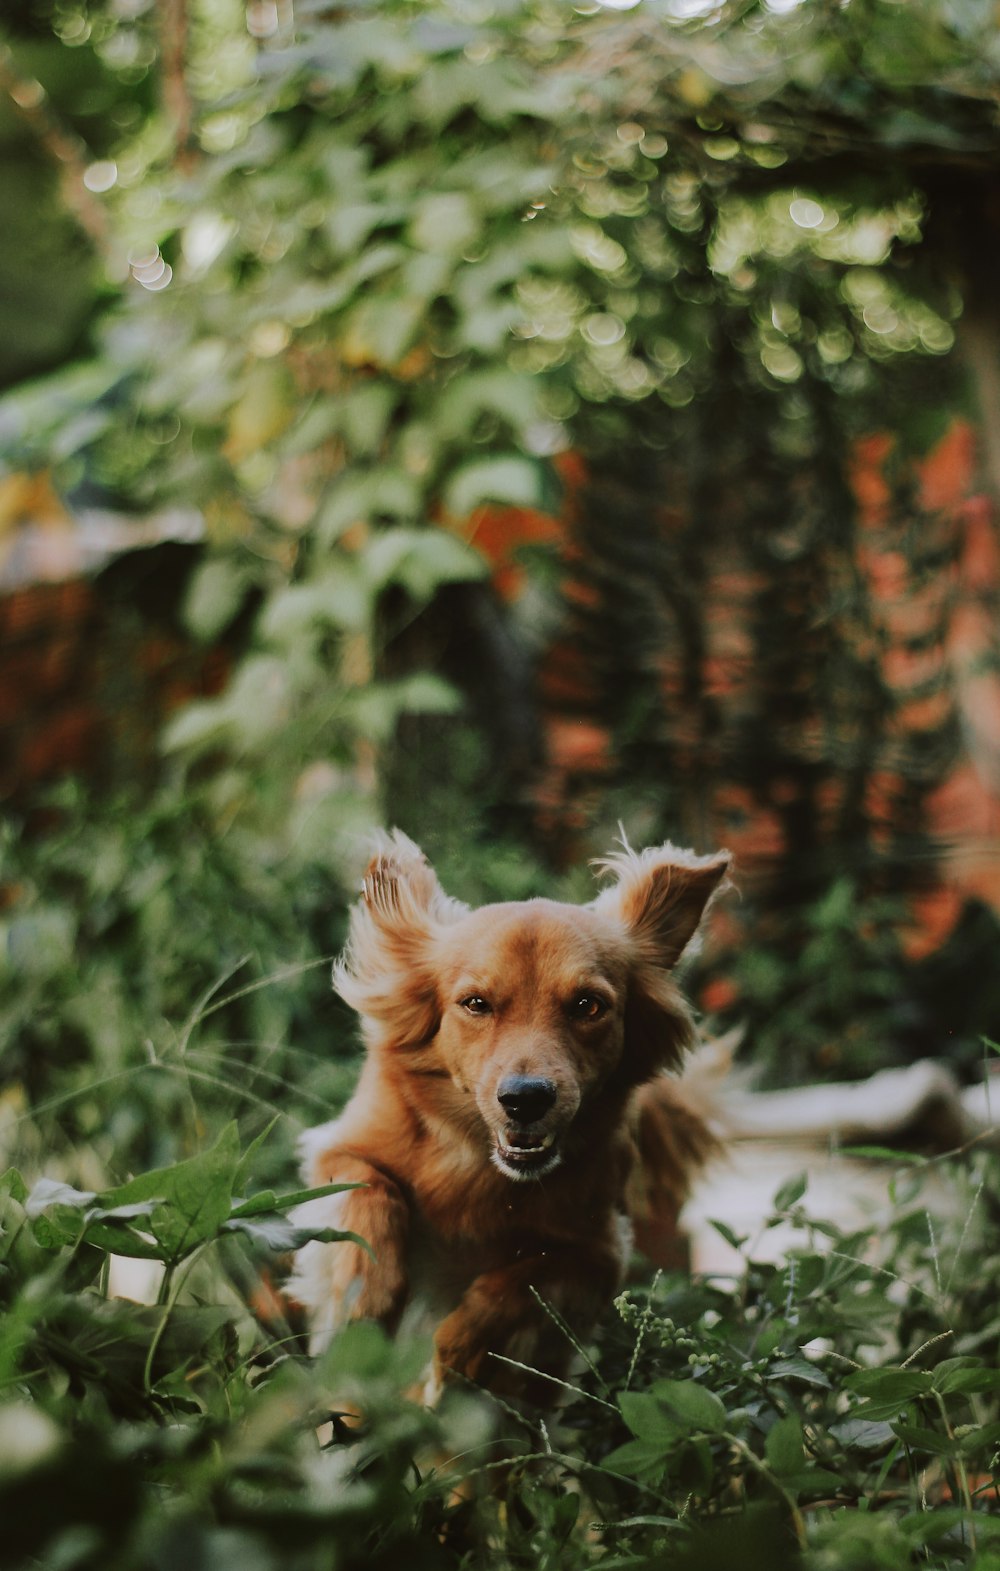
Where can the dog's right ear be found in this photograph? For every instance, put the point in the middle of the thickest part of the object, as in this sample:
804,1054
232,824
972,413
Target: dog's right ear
386,972
658,900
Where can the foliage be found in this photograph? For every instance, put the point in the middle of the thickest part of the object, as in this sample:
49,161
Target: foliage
837,1410
115,919
374,268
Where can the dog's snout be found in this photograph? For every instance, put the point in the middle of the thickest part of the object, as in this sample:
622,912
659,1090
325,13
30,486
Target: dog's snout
526,1098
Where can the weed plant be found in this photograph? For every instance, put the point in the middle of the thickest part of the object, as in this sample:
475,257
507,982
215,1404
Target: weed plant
837,1411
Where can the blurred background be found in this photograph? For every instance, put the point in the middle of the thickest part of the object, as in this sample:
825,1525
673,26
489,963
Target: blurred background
508,421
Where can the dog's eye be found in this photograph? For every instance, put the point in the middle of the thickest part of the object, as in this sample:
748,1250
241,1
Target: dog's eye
475,1004
588,1006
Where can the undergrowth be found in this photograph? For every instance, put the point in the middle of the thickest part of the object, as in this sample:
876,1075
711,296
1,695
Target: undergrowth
836,1410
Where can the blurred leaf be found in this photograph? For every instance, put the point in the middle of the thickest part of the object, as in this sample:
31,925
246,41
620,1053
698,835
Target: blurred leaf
421,561
783,1446
215,595
513,480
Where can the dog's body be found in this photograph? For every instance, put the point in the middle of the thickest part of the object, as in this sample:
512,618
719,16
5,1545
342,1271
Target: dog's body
511,1112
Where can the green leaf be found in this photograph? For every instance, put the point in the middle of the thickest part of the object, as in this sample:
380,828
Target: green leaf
966,1380
512,480
244,1167
420,561
791,1192
445,221
276,1232
647,1418
692,1404
192,1198
41,944
927,1527
885,1154
364,497
735,1240
365,414
267,1200
637,1459
508,394
11,1183
919,1438
214,596
783,1447
798,1369
889,1385
339,599
380,330
863,1434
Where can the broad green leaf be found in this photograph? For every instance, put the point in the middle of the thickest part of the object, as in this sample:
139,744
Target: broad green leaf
365,413
863,1434
783,1447
648,1420
499,391
195,727
420,561
798,1369
380,330
889,1385
192,1198
339,599
919,1438
512,480
964,1375
791,1192
637,1459
11,1183
691,1403
445,221
350,224
361,498
214,596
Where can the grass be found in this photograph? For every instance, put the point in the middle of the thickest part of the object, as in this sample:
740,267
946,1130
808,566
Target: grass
837,1410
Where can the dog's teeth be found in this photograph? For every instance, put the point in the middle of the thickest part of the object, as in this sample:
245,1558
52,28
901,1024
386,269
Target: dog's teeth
546,1142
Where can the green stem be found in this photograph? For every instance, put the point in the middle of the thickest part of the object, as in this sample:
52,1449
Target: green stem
798,1522
960,1469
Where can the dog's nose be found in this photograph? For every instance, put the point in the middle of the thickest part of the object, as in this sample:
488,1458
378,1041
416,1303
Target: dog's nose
525,1098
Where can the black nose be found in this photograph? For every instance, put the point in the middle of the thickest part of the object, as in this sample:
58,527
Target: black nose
525,1098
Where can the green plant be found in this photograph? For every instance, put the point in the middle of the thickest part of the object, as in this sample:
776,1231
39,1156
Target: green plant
838,1410
845,1386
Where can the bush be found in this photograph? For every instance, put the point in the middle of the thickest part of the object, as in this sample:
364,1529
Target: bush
837,1411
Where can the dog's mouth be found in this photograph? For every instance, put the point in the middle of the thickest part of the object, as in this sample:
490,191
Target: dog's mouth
526,1155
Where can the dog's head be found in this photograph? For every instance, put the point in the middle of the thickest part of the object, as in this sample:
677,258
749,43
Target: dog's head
524,1013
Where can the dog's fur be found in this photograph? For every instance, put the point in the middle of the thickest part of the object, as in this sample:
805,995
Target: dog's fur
479,1213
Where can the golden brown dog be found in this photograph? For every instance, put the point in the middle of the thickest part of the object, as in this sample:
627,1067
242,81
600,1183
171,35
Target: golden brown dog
512,1112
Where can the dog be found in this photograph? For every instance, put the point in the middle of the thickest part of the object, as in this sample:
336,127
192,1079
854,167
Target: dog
515,1120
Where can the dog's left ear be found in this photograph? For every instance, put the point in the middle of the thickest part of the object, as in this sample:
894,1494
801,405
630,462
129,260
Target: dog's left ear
386,972
659,897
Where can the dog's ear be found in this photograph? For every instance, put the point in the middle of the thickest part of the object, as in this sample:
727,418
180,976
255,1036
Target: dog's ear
386,972
659,897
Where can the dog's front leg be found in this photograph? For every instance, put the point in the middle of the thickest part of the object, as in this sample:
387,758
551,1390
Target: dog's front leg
503,1316
339,1282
